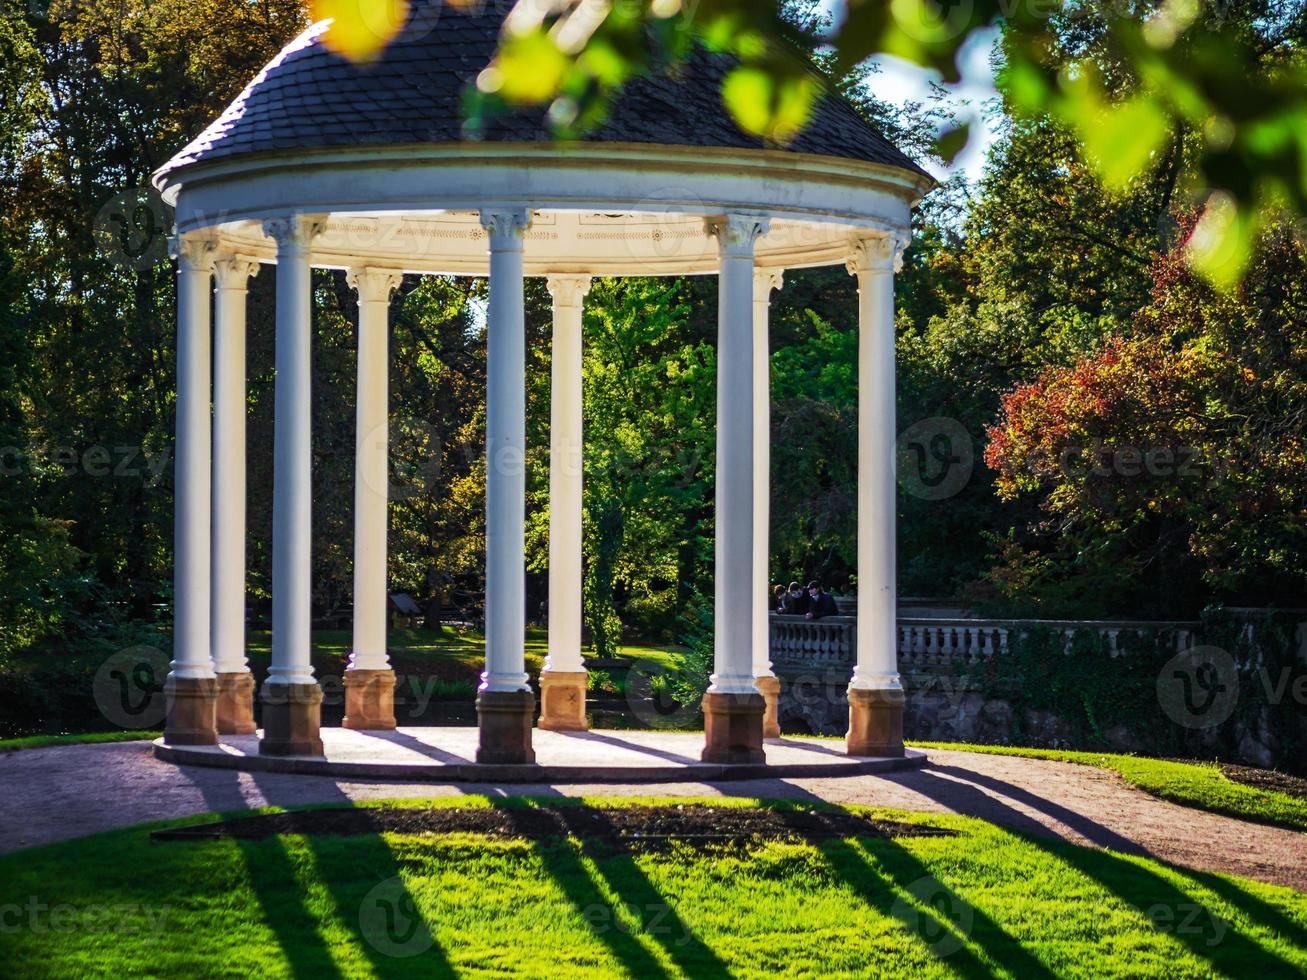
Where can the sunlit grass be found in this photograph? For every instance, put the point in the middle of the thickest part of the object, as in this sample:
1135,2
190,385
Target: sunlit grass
46,741
1194,784
986,902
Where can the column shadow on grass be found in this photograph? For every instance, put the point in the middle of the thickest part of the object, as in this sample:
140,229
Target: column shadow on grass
1230,952
271,872
903,874
1133,884
1263,913
632,887
364,881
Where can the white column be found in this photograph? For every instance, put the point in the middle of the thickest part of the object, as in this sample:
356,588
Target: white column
505,454
292,456
565,476
192,543
733,619
764,281
227,631
372,447
873,260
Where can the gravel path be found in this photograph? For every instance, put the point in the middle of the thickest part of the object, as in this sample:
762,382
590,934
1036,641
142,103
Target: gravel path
69,791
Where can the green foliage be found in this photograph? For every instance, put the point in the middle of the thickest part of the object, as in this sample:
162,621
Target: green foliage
649,396
1173,446
1095,693
693,673
1083,684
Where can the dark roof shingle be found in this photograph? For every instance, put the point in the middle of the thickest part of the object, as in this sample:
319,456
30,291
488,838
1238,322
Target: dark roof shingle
308,97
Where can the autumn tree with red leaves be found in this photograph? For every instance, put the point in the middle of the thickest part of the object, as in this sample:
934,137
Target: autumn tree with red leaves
1175,453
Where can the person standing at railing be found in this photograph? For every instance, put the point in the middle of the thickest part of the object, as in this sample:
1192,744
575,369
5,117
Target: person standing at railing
820,603
777,603
795,601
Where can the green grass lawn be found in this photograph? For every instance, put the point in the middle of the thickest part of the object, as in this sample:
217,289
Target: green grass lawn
45,741
982,903
454,655
1195,784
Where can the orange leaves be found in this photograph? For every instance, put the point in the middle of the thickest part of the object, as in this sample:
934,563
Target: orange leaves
1134,400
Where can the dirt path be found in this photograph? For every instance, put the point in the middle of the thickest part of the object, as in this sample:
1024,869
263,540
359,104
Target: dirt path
53,794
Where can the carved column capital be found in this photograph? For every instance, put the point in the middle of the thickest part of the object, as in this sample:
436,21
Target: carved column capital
736,233
193,254
764,281
234,271
506,226
374,285
568,290
294,232
880,252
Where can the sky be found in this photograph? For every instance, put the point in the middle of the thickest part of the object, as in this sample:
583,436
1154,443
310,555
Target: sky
901,81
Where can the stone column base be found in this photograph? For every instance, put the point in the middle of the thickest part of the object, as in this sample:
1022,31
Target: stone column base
562,700
504,720
369,700
236,703
732,728
191,710
770,686
875,722
292,719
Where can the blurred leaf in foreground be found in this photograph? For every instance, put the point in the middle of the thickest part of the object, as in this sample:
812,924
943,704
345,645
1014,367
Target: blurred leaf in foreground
360,29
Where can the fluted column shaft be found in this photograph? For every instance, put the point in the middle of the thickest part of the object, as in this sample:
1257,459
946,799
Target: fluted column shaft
192,532
235,710
232,276
565,475
875,693
372,448
764,281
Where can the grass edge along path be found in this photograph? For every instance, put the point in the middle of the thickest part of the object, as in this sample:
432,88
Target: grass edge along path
75,738
1199,785
983,902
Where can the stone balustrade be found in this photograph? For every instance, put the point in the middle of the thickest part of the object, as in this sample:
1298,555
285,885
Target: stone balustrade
928,645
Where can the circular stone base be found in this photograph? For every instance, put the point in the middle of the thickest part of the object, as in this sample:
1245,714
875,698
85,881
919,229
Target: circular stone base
447,755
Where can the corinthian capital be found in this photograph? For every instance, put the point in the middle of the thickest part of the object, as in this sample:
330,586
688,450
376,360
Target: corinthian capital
736,233
294,233
506,226
374,285
568,290
193,254
234,271
764,281
879,252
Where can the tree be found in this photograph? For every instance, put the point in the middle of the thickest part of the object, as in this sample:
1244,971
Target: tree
1171,457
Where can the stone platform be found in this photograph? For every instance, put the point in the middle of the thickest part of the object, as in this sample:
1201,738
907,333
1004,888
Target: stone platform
447,755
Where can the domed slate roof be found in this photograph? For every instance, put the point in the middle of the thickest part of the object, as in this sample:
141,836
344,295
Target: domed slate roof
310,98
